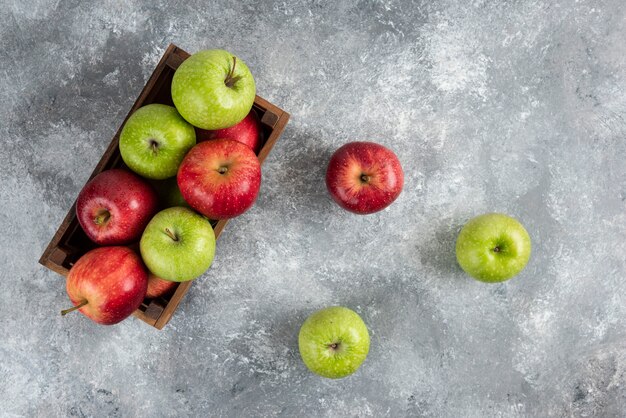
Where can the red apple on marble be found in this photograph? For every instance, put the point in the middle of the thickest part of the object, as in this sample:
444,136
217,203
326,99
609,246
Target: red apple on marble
364,177
107,284
158,287
248,132
220,178
115,207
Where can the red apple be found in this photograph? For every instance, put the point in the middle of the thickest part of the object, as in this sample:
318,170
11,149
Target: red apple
220,178
158,287
107,284
115,207
364,177
248,132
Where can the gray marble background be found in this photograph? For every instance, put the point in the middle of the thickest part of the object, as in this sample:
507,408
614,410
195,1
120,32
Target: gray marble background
511,106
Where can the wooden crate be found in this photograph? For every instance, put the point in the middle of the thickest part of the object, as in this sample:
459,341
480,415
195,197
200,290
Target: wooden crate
70,242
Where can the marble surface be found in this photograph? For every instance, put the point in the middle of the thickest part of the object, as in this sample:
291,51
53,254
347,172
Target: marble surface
510,106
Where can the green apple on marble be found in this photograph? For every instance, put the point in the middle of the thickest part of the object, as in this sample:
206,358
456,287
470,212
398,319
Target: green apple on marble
493,247
213,89
155,140
334,342
178,244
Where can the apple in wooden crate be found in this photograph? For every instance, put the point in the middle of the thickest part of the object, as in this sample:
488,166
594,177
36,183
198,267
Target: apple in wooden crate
178,244
107,284
220,178
158,287
115,207
248,132
154,141
213,89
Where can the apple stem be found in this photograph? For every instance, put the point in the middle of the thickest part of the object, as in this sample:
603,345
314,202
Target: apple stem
102,217
230,80
365,178
80,305
171,234
496,250
155,147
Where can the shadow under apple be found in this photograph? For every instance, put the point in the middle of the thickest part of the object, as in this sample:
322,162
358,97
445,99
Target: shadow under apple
268,346
438,251
297,172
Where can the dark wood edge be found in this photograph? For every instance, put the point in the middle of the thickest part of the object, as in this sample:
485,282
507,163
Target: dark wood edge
145,318
53,266
276,133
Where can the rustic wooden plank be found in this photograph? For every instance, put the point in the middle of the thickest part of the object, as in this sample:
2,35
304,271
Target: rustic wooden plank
141,315
279,127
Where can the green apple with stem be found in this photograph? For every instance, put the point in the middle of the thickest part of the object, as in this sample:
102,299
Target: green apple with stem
334,342
213,89
178,244
154,141
493,247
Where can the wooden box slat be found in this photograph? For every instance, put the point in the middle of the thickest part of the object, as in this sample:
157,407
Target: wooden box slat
70,242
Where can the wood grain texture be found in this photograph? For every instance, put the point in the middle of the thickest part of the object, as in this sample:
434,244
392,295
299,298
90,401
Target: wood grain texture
69,242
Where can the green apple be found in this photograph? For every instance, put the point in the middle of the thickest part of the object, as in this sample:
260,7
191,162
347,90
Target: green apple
178,244
213,89
334,342
155,140
493,247
168,193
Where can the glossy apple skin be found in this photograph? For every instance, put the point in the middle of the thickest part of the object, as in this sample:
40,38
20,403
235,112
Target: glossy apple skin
158,287
248,132
203,98
113,281
335,325
154,141
220,178
493,247
129,201
178,244
364,177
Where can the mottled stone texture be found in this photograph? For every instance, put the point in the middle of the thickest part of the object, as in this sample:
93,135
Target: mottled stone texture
511,106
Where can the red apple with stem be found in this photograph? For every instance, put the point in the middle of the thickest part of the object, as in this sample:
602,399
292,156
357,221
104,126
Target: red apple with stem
107,284
248,132
115,207
220,178
158,287
364,177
